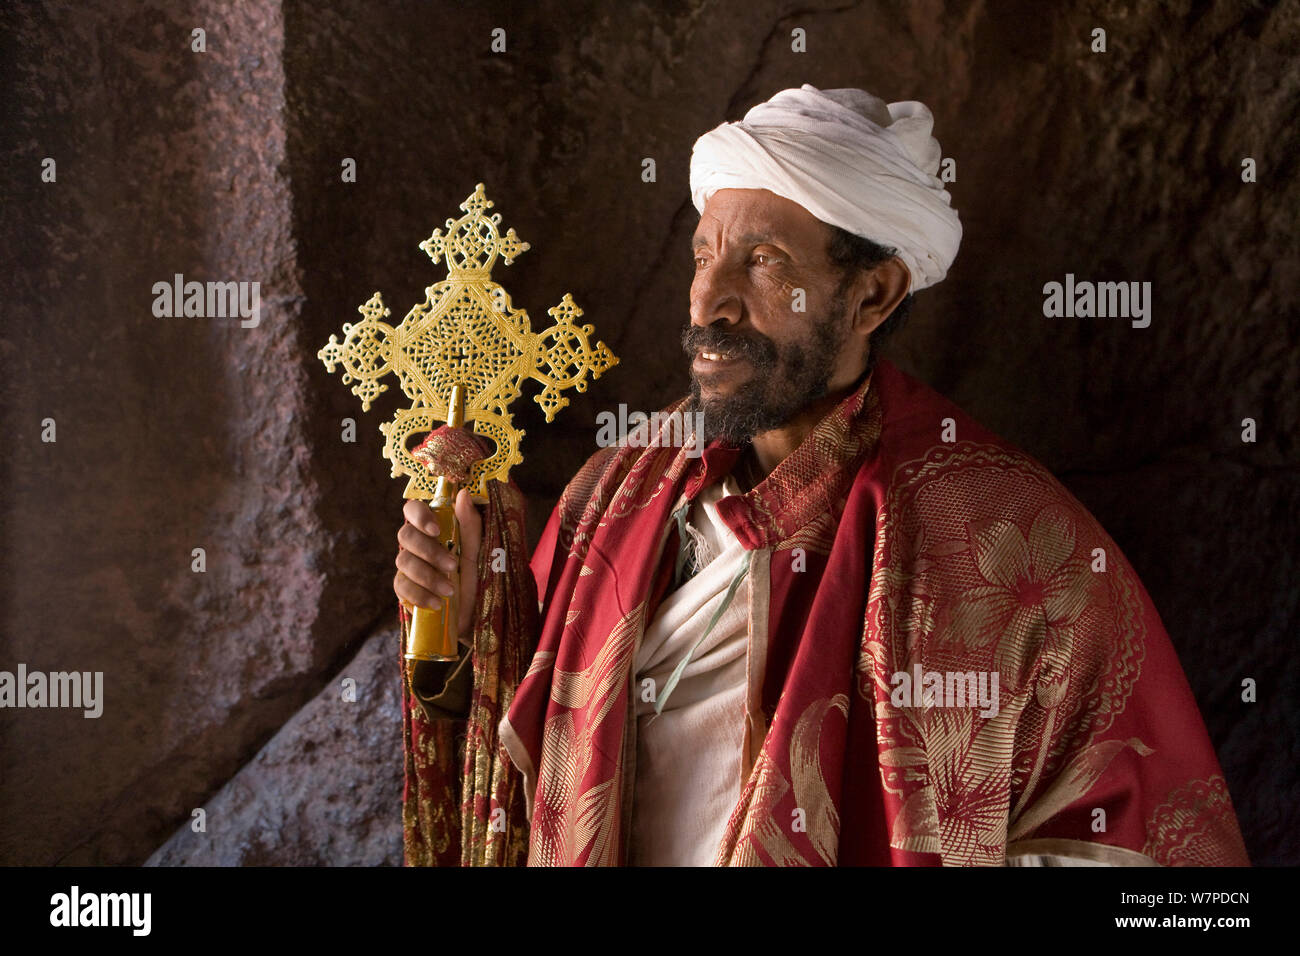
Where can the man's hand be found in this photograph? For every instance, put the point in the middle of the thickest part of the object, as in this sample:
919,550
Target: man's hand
426,571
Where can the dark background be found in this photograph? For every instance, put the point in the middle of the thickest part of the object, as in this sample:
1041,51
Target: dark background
222,689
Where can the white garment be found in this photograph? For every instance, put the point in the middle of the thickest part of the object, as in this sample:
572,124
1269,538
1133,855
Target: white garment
851,160
689,758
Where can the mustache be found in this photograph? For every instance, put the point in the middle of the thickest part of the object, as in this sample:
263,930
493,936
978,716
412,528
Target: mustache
758,349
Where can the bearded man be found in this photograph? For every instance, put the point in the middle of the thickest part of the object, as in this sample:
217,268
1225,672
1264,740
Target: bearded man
858,628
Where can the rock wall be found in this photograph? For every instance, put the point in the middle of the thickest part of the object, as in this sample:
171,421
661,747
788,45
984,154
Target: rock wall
174,434
322,790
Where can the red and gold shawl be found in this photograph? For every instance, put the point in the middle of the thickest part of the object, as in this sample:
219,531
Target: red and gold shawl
878,548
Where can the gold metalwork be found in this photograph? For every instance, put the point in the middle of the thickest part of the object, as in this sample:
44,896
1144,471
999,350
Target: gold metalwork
433,634
466,332
461,356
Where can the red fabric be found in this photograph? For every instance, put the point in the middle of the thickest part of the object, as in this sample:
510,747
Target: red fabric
889,549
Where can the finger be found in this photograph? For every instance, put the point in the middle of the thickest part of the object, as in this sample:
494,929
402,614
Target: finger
410,592
427,549
423,575
471,526
419,513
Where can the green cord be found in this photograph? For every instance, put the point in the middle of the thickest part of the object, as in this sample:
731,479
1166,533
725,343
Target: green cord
726,602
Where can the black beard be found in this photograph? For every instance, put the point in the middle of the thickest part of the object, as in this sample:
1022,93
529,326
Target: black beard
785,378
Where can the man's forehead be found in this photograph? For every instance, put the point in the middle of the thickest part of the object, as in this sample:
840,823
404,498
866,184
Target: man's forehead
756,215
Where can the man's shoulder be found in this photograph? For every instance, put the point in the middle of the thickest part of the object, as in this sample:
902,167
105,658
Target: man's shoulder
627,440
582,487
937,458
991,528
915,416
609,464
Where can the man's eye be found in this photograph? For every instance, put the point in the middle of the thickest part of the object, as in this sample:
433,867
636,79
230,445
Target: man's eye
762,259
699,262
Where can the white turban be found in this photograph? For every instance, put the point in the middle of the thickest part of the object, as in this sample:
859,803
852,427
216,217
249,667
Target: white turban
851,160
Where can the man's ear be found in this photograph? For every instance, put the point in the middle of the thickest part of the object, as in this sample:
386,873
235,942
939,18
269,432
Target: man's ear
878,291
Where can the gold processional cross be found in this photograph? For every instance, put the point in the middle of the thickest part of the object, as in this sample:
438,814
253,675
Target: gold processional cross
461,355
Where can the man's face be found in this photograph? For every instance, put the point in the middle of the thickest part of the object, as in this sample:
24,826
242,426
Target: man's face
756,361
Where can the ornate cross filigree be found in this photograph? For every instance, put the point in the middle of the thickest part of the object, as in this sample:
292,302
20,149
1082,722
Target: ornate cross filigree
466,332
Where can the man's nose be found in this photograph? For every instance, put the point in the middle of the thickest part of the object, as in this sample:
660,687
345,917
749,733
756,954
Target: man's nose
716,295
